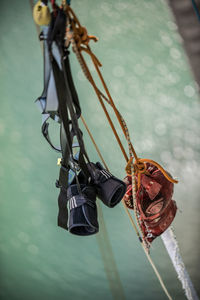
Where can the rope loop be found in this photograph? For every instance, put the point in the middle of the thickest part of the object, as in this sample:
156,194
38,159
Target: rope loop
141,168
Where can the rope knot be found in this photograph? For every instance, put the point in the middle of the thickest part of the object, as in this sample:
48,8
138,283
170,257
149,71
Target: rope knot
84,37
139,166
81,36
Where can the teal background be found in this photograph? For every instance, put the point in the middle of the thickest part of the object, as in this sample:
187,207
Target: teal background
149,78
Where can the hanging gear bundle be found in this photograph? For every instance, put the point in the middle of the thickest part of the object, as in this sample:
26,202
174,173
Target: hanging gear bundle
148,187
60,102
80,181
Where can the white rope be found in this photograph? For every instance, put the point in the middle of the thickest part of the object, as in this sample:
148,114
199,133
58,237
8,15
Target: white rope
171,245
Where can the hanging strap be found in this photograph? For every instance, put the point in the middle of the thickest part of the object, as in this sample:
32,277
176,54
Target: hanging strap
47,102
65,101
64,82
72,88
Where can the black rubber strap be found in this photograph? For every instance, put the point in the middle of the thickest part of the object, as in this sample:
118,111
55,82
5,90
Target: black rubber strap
45,132
57,28
72,86
62,212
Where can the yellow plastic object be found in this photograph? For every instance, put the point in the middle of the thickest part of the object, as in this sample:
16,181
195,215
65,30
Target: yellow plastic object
41,14
59,161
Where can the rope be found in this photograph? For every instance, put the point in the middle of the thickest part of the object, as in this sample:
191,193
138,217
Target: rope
134,226
126,133
142,241
105,165
78,35
85,67
77,39
158,275
93,141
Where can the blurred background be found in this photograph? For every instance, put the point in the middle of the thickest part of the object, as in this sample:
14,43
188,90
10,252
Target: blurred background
150,78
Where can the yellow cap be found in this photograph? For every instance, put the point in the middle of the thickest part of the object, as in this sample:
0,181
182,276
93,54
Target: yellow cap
41,14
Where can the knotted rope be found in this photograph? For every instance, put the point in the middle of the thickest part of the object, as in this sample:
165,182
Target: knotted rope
77,34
